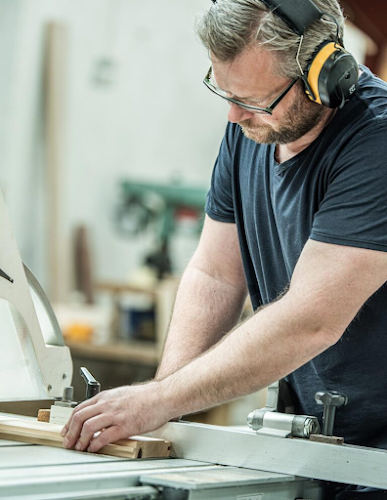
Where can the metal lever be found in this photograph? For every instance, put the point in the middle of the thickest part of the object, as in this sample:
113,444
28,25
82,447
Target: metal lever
92,386
331,400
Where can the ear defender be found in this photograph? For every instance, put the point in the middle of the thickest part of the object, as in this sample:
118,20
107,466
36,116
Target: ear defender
332,75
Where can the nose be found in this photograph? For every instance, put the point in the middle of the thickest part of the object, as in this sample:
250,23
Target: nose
237,114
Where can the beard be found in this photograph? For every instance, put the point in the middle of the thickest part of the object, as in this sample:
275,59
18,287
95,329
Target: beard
299,119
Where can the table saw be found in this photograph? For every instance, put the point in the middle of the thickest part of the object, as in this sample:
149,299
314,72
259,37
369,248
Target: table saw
273,459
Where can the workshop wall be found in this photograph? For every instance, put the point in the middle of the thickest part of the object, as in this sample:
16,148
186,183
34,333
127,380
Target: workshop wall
134,106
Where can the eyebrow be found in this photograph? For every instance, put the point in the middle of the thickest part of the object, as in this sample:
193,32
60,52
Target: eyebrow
254,98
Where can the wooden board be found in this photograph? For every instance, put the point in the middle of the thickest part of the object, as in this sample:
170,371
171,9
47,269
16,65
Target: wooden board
56,48
31,431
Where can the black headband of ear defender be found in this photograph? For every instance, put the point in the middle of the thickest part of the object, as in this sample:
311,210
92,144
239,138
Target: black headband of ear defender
298,14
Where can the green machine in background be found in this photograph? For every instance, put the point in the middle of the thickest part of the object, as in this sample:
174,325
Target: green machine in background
144,205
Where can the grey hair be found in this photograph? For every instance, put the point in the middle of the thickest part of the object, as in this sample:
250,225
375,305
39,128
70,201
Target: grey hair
230,26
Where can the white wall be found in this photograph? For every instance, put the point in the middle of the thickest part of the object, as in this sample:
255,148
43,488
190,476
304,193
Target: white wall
154,120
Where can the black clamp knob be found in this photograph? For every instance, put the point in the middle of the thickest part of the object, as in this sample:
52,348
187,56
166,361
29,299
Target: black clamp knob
92,386
331,400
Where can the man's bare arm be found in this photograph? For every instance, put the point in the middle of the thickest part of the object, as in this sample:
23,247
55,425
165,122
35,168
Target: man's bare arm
329,286
210,297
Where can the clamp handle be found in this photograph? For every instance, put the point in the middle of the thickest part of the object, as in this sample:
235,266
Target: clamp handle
331,400
92,386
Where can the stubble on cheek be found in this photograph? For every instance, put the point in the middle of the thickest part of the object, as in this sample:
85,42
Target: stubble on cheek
262,133
300,117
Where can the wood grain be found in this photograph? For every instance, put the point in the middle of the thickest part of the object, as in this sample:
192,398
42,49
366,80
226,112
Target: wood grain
30,431
44,415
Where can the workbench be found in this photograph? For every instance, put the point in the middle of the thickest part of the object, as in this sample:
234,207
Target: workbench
34,472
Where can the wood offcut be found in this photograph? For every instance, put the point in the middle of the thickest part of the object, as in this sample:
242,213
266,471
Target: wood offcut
30,431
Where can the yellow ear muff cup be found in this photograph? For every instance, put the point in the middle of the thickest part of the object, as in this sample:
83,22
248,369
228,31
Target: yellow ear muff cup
316,66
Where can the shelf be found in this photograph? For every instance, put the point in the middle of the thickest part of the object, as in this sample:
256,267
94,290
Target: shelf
138,352
118,288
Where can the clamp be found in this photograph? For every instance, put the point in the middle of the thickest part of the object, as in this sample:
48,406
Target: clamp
331,400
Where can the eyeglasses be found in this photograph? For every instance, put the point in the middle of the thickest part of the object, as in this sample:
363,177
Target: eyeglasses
210,83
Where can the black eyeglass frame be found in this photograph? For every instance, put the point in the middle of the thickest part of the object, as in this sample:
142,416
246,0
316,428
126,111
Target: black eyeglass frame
254,109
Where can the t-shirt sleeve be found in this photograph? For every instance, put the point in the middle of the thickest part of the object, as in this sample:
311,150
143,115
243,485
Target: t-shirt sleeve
220,204
353,211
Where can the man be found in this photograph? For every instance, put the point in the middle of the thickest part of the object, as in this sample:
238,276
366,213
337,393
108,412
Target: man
297,217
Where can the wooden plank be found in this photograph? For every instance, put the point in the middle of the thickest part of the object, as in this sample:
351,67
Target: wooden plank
30,431
82,264
54,106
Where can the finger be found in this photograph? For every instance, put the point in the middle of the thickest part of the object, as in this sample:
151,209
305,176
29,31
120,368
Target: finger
65,428
109,435
90,428
90,401
78,408
76,423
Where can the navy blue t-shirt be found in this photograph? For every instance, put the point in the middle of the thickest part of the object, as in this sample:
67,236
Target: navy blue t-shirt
335,191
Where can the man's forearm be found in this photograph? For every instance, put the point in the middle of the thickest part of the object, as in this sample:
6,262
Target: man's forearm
265,348
206,308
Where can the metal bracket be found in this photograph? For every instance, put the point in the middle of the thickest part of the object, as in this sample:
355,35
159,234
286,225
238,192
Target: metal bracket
270,423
